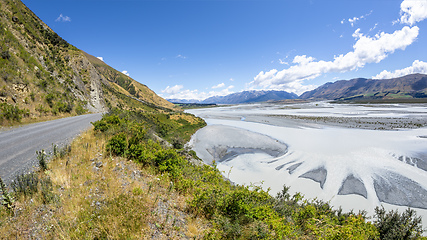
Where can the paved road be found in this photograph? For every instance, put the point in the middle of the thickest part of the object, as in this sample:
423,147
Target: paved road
18,146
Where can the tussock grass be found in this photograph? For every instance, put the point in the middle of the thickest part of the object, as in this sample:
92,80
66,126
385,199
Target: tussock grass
118,200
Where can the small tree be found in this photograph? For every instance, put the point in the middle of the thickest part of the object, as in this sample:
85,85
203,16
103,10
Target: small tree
393,225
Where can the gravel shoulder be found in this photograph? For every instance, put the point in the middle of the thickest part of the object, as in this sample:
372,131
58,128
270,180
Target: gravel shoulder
18,146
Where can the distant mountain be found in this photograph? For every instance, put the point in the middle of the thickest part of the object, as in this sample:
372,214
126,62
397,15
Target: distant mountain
410,86
185,101
243,97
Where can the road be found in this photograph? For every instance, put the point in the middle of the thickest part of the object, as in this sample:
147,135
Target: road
18,146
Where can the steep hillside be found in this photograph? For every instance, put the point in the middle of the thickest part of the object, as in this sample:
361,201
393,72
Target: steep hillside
131,87
410,86
43,76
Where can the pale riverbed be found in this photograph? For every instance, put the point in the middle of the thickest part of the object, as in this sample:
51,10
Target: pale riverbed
355,156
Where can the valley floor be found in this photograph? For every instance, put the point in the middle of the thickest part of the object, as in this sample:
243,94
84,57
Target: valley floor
355,156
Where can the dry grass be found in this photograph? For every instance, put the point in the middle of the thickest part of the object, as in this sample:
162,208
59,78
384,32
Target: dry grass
99,196
189,118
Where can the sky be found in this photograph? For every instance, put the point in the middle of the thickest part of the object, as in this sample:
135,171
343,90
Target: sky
195,49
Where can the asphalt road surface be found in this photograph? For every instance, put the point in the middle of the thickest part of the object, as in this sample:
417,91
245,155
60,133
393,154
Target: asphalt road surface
18,146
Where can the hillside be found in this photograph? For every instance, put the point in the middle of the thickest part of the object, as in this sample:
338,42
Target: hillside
242,97
406,87
42,76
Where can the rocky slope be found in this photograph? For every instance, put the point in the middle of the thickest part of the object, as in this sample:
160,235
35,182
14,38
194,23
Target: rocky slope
410,86
42,75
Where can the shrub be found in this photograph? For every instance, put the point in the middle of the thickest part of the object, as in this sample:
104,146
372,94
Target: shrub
6,199
49,99
5,55
107,122
13,113
118,144
25,184
42,158
62,107
80,110
169,161
47,194
392,225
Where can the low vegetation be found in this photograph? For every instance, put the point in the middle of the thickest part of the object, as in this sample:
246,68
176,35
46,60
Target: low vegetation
121,181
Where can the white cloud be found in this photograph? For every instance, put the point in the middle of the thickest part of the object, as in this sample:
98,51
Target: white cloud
100,58
177,92
231,79
353,20
374,27
365,50
172,90
417,67
283,62
125,72
413,11
63,18
303,60
221,85
181,56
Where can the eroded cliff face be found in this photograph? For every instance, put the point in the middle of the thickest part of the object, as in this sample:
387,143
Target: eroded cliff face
89,82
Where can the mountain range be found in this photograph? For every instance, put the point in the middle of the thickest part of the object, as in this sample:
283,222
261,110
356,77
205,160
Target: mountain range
406,87
409,86
242,97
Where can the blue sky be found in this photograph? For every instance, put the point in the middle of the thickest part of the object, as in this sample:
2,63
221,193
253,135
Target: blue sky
196,49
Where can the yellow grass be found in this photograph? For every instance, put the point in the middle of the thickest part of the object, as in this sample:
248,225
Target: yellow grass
119,200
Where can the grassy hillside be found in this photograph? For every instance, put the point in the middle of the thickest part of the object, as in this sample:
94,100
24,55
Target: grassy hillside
42,76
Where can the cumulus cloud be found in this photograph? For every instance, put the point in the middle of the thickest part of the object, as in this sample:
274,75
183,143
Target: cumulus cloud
177,92
172,90
181,56
125,73
100,58
221,85
417,67
413,11
63,18
365,50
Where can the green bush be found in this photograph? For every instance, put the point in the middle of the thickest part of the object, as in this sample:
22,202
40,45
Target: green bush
13,113
393,225
42,158
169,161
62,107
49,99
6,199
47,194
25,184
118,144
107,122
80,110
